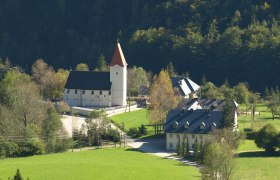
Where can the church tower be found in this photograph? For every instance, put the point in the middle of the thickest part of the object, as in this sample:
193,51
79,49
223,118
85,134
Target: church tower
118,78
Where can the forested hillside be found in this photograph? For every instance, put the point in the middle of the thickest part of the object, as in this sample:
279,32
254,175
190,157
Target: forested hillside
237,40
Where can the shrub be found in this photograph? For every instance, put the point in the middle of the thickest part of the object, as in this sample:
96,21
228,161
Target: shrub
29,148
266,138
134,132
142,130
7,149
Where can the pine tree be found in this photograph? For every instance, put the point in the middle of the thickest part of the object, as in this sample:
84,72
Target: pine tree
178,147
183,148
18,176
170,70
196,155
188,148
266,93
228,115
102,64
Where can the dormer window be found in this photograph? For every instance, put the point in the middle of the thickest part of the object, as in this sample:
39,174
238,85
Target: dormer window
202,125
213,126
175,124
187,125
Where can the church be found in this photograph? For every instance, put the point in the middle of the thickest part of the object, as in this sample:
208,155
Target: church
99,89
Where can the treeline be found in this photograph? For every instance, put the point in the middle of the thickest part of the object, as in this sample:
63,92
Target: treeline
229,39
29,124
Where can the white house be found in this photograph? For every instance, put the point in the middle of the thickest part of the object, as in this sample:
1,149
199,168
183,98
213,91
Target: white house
194,119
99,89
187,88
191,124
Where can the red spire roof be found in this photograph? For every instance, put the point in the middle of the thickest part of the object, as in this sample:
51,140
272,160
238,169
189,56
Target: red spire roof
118,57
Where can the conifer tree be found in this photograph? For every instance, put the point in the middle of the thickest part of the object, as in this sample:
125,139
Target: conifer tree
228,115
18,176
178,147
188,147
196,146
183,147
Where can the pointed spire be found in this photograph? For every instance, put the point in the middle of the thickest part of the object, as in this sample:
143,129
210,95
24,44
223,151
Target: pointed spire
118,57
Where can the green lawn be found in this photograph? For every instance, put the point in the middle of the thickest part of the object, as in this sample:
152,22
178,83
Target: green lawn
256,165
97,164
134,119
248,145
260,120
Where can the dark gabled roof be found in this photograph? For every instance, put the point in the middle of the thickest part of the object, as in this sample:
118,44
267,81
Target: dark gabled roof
195,118
211,104
185,85
88,80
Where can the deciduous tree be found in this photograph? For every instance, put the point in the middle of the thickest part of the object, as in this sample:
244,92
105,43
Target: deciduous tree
162,99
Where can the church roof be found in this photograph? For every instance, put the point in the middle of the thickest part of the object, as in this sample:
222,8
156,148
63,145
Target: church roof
118,57
87,80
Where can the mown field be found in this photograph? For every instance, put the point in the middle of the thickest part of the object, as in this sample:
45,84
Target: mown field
97,164
134,119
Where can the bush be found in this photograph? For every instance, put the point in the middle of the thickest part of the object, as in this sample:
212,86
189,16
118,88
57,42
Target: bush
134,132
142,130
266,138
251,135
7,149
30,148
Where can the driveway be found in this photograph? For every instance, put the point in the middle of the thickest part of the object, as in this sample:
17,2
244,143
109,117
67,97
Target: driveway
155,146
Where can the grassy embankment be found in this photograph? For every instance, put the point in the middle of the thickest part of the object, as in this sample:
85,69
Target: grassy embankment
134,119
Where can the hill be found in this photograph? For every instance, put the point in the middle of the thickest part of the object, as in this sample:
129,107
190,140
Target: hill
229,39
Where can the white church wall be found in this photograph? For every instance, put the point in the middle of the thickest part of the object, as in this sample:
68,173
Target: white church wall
87,98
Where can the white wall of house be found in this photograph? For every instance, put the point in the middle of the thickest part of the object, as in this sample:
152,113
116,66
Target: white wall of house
87,98
118,77
172,139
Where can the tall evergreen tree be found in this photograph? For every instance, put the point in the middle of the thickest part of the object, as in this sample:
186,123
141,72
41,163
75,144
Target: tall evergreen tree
228,114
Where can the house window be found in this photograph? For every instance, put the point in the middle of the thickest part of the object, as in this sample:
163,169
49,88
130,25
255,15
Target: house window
117,73
193,136
76,91
109,92
92,92
187,125
175,124
100,92
68,91
170,145
200,136
83,91
170,135
202,125
104,95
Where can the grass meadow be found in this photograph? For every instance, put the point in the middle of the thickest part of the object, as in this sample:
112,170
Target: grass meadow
134,119
97,164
